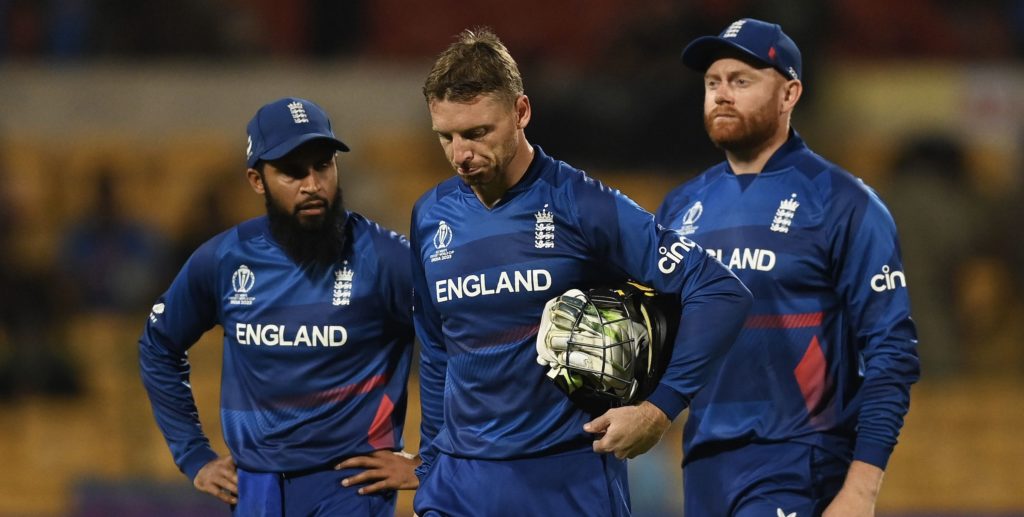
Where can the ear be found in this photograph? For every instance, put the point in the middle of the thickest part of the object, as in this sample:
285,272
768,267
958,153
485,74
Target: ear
522,111
791,92
255,180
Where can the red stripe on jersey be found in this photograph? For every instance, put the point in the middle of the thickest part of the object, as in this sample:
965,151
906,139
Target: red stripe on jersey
336,394
810,375
783,321
382,432
504,337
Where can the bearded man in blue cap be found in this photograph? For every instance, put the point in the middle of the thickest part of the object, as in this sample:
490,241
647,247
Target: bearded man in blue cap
315,305
803,415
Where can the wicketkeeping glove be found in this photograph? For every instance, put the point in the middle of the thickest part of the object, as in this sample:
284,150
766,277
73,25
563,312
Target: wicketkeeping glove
584,343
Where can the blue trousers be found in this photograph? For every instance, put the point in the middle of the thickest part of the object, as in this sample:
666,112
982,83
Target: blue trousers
266,494
571,483
762,480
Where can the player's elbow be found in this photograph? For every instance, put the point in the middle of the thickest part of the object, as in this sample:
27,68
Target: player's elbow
741,300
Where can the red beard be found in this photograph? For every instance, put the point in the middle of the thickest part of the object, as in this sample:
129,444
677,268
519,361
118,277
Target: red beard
741,133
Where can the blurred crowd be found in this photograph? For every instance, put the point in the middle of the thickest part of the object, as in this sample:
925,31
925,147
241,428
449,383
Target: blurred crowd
620,48
865,29
106,263
961,245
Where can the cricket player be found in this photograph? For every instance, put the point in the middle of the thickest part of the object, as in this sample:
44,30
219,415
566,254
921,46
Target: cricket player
315,305
802,417
513,228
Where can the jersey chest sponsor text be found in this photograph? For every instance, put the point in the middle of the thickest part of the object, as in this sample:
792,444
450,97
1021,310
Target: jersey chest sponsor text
273,334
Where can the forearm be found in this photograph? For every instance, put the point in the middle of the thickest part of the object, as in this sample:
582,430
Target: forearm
859,493
864,479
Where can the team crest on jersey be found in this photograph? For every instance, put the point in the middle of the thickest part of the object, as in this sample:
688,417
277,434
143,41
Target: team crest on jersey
442,239
690,217
544,229
784,215
242,281
342,285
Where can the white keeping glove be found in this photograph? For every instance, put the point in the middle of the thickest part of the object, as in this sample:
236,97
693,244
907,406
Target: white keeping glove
596,341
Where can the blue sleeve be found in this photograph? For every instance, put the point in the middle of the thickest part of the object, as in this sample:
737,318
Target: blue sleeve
395,278
714,302
179,317
870,280
433,358
394,286
662,214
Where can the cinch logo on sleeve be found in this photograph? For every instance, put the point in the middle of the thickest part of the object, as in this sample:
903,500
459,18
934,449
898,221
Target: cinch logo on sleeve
471,286
888,280
278,335
672,255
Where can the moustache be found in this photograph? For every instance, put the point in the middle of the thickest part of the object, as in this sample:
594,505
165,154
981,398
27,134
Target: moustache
724,111
314,202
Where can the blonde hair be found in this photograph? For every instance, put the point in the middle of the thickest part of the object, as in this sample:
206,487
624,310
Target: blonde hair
477,63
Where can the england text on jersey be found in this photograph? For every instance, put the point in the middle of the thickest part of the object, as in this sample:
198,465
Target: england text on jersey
477,285
746,258
278,335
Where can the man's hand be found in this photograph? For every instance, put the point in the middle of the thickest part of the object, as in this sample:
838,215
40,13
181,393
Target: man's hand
385,470
219,478
628,431
859,492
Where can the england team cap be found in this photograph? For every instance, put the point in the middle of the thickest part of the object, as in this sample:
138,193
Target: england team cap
763,41
281,126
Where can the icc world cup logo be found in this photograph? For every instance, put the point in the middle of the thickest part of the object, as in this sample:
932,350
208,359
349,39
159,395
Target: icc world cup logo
443,237
693,213
243,279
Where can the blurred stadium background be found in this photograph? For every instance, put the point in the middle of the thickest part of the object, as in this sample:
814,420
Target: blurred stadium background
122,147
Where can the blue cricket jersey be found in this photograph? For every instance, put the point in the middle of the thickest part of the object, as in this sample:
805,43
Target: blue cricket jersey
315,363
482,277
828,353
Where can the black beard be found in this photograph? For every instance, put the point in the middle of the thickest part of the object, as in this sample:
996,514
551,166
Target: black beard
317,247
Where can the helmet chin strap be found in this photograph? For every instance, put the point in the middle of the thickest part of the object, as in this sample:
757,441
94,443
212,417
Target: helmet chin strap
650,334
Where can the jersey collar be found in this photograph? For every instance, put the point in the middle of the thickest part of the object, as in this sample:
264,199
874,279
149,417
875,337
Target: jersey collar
788,154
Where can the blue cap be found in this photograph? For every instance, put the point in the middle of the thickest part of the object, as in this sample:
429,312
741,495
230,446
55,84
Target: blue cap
281,126
763,41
